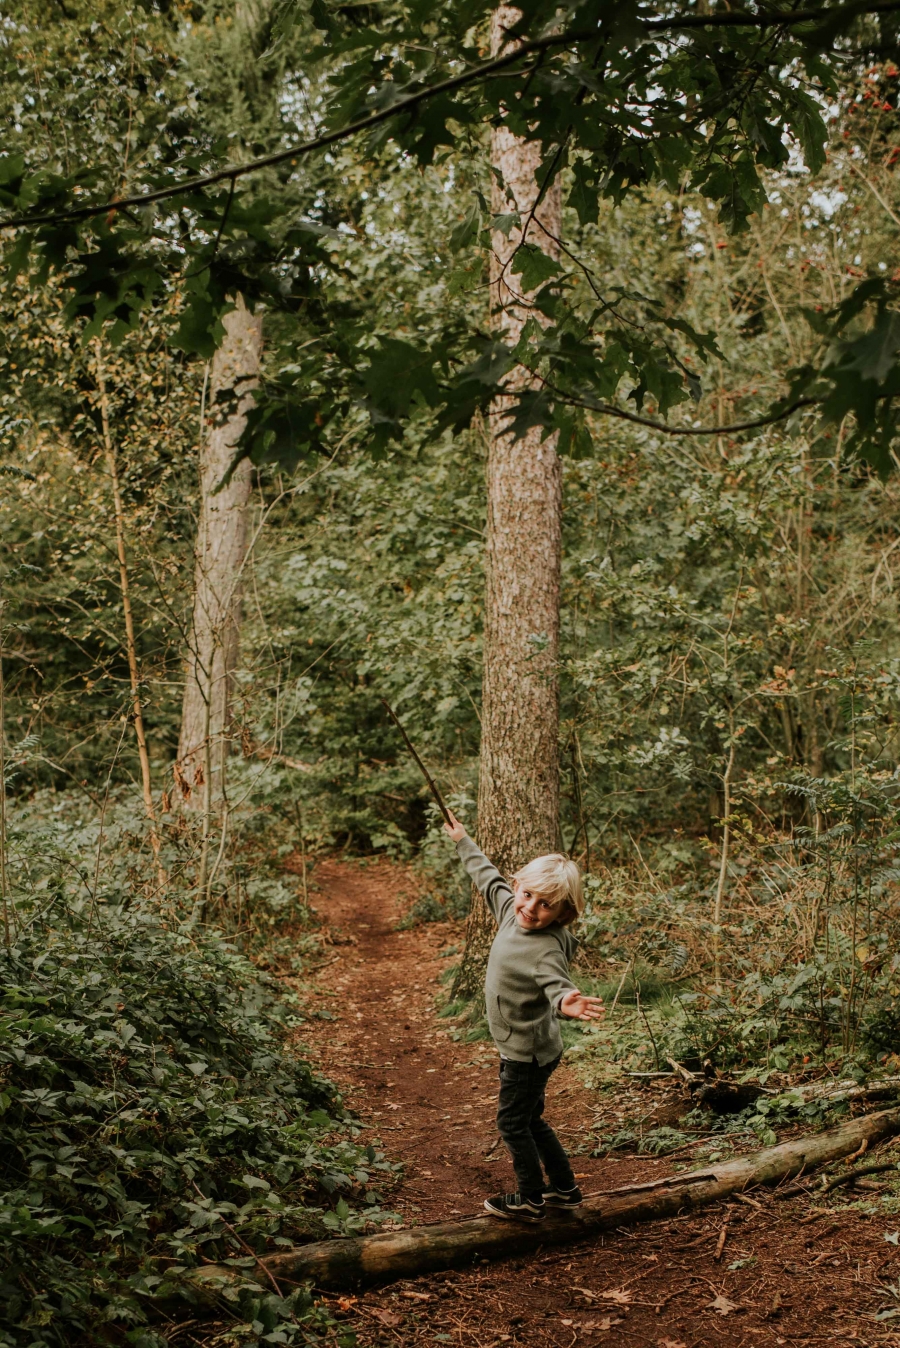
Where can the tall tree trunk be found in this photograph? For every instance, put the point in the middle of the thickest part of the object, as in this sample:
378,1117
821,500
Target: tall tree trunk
518,794
218,564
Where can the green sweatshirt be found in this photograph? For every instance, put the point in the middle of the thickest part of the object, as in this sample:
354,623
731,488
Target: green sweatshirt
527,973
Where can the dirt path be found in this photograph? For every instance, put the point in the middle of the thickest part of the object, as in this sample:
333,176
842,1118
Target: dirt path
786,1274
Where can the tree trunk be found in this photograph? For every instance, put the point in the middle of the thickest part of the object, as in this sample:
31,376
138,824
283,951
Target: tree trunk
218,565
518,794
341,1264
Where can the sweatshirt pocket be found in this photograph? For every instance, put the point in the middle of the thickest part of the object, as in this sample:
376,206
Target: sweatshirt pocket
497,1023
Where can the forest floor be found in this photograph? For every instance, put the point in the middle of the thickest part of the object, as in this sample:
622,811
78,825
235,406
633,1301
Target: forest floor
787,1273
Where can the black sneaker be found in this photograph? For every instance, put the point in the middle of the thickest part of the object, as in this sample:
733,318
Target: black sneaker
516,1207
563,1198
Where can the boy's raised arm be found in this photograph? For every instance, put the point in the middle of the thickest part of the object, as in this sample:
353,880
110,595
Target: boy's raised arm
485,876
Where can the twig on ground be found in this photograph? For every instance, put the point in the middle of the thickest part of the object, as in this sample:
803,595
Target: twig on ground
751,1202
836,1181
240,1240
720,1244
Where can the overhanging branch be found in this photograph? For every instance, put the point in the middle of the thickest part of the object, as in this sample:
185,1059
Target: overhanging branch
610,410
231,172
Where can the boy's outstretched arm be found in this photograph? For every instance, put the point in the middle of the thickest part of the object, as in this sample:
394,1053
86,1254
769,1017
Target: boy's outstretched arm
485,876
577,1006
552,974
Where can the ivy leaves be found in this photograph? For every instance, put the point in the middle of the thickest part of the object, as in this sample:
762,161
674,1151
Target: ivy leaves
148,1112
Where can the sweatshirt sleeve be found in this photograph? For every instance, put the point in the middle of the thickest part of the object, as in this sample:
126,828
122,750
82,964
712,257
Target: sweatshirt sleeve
486,878
552,975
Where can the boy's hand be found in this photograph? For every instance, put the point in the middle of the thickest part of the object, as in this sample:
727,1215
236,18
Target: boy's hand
458,831
577,1006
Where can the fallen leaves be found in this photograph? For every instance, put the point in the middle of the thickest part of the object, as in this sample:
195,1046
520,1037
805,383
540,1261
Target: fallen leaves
670,1343
722,1306
620,1295
389,1318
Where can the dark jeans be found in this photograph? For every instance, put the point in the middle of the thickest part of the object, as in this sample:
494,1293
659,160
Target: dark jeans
521,1124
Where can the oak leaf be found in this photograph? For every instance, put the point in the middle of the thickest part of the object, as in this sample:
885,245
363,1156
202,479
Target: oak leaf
722,1306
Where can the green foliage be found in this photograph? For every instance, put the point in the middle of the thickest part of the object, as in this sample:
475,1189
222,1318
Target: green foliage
623,99
726,599
152,1117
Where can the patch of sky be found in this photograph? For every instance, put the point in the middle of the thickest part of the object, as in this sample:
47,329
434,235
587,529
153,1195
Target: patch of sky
827,201
691,219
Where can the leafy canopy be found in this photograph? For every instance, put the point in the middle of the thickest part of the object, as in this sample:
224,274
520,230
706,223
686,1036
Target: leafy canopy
618,96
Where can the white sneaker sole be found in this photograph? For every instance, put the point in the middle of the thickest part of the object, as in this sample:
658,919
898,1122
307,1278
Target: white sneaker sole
511,1216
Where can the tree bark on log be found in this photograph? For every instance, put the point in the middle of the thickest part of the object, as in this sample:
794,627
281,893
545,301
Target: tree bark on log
346,1263
218,564
518,792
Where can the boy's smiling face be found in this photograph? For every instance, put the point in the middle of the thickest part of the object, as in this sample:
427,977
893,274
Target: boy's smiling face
532,910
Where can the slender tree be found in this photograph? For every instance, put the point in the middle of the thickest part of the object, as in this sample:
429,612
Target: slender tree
518,795
218,564
134,674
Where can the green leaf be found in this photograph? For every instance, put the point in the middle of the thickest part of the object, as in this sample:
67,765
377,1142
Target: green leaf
584,196
534,266
252,1182
874,356
12,171
399,372
805,116
506,223
467,231
200,330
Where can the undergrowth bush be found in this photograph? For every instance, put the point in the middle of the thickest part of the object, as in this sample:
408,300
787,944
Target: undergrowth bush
152,1116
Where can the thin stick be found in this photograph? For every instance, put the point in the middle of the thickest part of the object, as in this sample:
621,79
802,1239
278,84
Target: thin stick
125,589
422,768
723,1236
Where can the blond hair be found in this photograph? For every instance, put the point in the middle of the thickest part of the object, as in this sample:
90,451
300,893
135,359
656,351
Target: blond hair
558,880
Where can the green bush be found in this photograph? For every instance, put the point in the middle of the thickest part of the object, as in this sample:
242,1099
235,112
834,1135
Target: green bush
152,1118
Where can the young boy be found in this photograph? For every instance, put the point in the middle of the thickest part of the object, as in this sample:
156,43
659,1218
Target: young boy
526,988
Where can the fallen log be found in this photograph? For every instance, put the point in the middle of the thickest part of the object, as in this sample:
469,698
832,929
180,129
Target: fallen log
833,1092
348,1262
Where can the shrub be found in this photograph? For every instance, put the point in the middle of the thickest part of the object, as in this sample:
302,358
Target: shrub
152,1117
